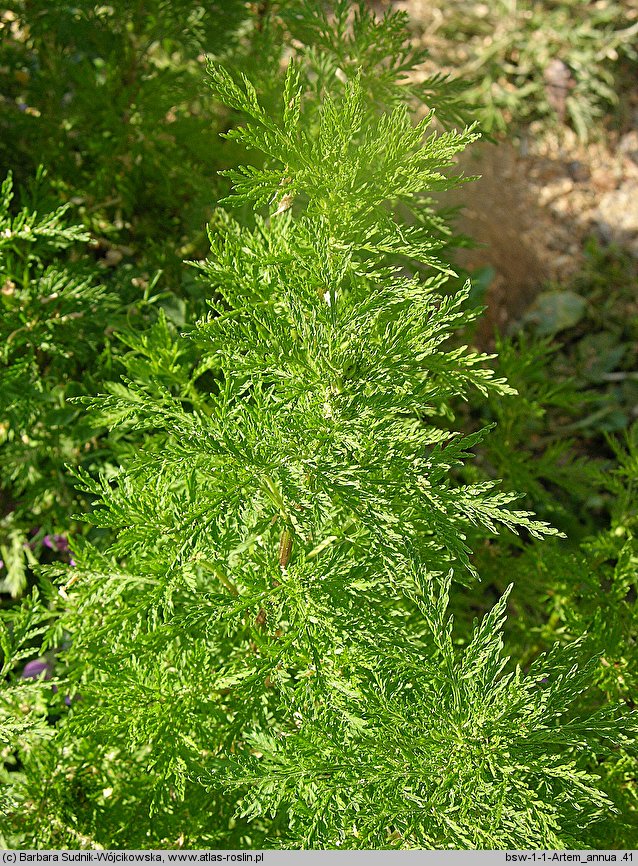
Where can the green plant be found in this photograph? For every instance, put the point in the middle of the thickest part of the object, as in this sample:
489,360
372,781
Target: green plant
120,175
108,98
55,344
580,588
598,340
573,365
261,654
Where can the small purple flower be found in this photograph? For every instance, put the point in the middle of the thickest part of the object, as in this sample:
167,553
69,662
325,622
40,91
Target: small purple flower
56,542
67,699
72,562
1,563
33,669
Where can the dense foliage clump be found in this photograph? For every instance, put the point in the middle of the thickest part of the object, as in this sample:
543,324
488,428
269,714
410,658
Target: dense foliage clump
272,630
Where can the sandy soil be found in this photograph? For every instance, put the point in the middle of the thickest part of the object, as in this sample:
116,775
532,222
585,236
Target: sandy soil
534,206
541,195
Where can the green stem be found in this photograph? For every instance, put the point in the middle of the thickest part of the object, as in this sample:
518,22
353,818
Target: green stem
219,574
274,494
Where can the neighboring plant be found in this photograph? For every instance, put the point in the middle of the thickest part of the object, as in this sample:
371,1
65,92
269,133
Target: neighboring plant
54,334
596,321
573,362
574,367
581,588
537,59
259,652
108,98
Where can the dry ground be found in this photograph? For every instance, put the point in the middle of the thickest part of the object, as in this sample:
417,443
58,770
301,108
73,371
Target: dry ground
541,193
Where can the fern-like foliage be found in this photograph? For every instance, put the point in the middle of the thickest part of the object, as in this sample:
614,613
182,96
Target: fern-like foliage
54,316
491,760
108,98
345,38
264,647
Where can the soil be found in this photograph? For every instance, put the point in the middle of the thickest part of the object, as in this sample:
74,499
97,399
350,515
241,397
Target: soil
535,205
540,196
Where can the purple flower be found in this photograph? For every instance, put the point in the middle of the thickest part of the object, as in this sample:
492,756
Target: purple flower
1,563
56,542
33,669
72,562
67,699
